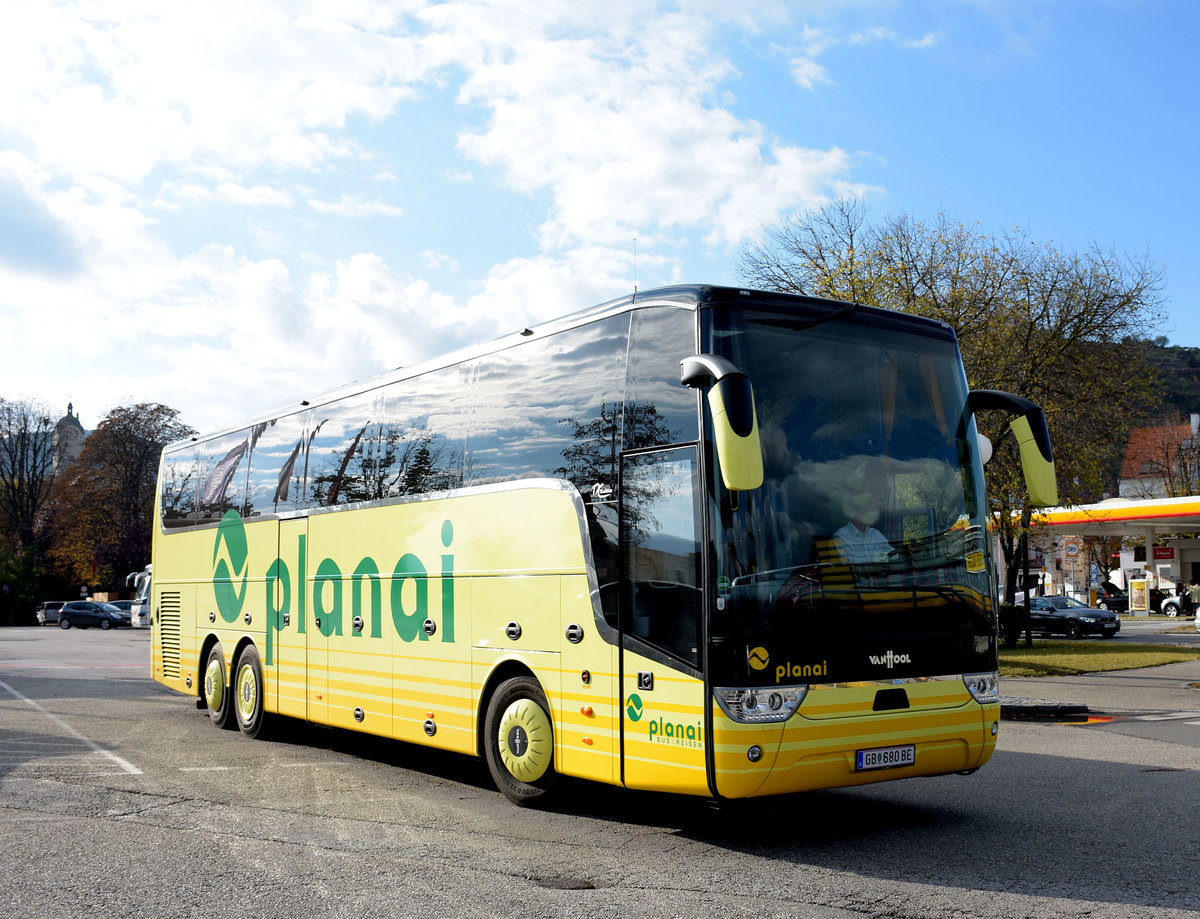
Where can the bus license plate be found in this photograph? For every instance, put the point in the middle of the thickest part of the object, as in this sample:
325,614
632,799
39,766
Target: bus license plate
885,757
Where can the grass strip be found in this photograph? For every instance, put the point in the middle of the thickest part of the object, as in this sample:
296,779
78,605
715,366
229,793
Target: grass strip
1060,658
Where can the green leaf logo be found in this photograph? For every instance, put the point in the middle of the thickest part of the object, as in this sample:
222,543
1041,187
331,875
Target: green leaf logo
634,708
230,555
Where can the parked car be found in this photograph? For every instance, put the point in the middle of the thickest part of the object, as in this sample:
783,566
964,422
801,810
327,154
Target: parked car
1067,616
47,613
1178,605
1109,596
126,608
85,613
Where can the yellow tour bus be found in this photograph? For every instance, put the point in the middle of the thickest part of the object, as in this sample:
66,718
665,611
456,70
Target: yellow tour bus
698,540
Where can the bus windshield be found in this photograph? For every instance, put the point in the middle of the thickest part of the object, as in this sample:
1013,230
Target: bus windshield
863,555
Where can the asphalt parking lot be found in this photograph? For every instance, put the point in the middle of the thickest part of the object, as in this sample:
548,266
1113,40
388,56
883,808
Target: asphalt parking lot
119,799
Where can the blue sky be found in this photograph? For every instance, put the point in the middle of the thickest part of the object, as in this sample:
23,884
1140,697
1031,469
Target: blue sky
232,206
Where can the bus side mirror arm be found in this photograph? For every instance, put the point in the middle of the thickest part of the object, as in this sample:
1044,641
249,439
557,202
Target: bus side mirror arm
1033,438
734,418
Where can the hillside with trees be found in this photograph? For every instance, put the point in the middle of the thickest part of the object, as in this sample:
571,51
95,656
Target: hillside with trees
1178,370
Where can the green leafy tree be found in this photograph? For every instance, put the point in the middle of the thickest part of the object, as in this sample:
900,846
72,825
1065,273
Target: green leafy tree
1067,330
102,509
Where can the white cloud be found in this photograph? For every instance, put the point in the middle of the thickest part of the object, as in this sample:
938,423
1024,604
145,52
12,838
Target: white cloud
367,317
623,130
434,259
597,121
808,73
123,87
354,206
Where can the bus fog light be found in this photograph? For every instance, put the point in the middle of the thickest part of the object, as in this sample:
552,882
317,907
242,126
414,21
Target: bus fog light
754,754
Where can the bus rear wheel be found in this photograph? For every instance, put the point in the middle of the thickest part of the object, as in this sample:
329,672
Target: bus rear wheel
519,741
248,693
215,689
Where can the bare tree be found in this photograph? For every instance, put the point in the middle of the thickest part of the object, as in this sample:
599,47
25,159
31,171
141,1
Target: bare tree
1174,463
26,470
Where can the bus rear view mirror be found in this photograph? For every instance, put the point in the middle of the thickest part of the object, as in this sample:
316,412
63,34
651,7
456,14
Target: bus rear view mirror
1033,440
734,419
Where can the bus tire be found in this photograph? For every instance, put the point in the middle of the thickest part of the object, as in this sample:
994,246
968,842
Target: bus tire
519,741
248,693
215,690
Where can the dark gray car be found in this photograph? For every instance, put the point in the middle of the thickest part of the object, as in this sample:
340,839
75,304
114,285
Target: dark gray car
1067,616
86,613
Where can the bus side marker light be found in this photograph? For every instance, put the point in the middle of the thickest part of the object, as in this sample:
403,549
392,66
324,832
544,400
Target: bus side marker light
587,712
588,741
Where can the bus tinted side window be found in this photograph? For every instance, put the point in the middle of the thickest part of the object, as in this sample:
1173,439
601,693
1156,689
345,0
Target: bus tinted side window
660,410
335,466
179,484
419,445
222,465
276,466
552,408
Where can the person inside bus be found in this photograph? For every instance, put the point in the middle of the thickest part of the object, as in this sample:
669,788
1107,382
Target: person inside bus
864,503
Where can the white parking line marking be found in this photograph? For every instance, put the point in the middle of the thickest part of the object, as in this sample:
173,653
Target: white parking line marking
124,765
1171,716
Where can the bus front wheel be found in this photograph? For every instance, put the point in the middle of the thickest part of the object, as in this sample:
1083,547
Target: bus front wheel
215,689
519,741
248,693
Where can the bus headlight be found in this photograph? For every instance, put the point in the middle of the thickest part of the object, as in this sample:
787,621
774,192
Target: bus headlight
760,705
984,687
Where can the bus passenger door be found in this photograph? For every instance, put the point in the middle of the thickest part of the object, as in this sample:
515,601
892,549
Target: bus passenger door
664,725
290,600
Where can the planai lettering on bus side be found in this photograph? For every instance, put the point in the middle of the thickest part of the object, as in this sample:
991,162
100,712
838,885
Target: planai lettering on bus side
328,605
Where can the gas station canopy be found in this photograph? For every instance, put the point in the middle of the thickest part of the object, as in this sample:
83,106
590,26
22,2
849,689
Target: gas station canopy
1124,517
